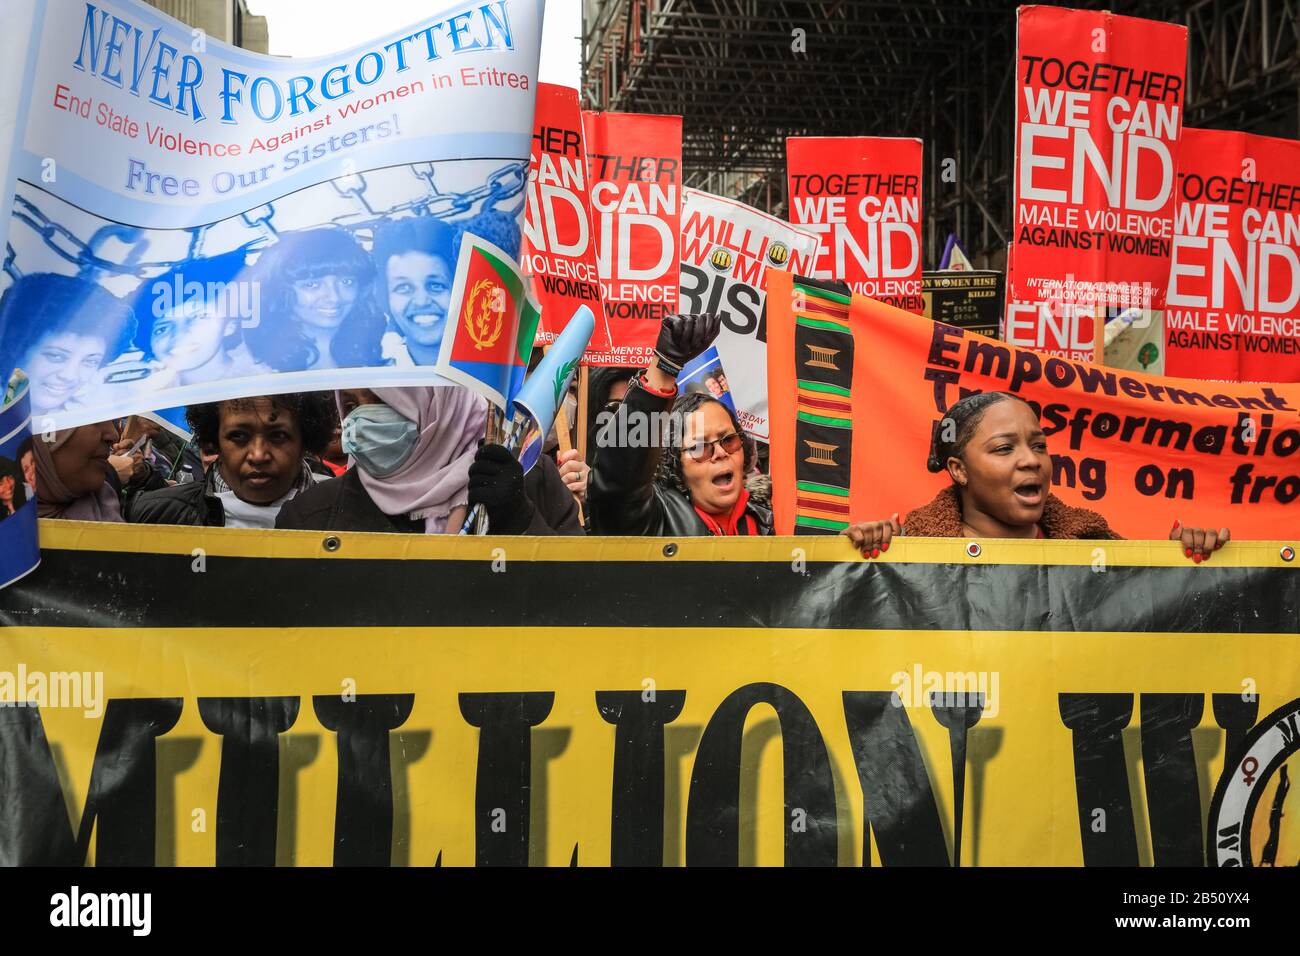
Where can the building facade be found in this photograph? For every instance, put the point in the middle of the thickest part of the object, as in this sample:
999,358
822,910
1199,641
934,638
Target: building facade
227,20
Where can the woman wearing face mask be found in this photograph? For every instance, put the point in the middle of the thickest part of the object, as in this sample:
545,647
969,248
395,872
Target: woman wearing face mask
419,467
993,448
412,448
73,478
697,485
318,308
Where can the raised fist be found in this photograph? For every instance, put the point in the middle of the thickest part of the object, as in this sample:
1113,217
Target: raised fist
684,337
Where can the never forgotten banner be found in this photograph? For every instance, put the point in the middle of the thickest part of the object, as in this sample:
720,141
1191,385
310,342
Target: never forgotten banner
167,191
1099,110
792,705
1234,281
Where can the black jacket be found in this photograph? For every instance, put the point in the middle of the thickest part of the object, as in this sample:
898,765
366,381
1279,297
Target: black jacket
622,494
149,480
187,504
343,504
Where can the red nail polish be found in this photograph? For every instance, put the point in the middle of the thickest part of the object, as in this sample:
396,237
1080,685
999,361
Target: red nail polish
1197,559
875,552
885,546
1189,552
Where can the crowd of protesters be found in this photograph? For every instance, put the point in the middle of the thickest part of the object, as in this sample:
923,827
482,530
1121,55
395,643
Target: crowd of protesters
413,460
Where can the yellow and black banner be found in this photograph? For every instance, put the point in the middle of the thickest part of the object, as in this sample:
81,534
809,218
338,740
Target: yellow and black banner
177,696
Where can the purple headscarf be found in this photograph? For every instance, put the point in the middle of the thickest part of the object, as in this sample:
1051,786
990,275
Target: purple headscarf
435,479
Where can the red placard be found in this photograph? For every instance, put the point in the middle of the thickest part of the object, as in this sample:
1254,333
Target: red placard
635,162
559,250
1099,109
1233,309
862,195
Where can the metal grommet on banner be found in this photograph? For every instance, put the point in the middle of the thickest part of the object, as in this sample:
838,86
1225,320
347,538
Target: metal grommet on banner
973,549
670,549
1288,553
331,543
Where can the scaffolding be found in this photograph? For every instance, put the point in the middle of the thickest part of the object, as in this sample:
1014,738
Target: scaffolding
745,74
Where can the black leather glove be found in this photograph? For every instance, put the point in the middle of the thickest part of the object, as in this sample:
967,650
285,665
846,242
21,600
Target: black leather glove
496,481
684,337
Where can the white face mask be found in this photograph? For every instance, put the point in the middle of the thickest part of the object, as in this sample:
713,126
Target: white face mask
379,438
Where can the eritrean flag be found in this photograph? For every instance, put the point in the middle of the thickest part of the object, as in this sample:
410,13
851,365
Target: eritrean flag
490,325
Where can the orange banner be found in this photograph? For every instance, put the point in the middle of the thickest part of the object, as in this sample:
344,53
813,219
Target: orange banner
856,387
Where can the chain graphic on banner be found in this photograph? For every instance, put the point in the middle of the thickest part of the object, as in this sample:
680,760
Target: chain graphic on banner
502,185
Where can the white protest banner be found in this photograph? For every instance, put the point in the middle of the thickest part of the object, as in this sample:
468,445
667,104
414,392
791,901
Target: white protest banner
192,221
726,249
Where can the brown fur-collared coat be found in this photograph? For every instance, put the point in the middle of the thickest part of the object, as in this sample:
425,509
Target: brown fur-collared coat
941,518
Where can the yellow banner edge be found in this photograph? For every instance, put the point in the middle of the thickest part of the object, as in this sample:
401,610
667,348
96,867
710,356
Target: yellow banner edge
59,535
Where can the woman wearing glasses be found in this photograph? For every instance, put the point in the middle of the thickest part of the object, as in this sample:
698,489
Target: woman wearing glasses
665,465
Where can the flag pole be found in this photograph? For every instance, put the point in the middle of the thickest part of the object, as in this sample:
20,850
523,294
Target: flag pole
562,435
491,436
581,438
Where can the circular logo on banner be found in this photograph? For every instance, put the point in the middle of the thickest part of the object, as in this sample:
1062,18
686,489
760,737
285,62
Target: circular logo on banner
721,259
777,253
1255,813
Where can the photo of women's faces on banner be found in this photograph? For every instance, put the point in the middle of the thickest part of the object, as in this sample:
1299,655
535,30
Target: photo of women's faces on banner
191,221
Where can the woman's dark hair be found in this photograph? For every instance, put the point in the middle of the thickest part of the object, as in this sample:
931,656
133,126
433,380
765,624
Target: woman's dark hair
496,227
314,412
10,469
397,237
600,382
157,296
41,304
26,445
959,425
670,464
278,339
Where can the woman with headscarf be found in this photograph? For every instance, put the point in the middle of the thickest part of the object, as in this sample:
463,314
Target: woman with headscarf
74,480
419,467
994,450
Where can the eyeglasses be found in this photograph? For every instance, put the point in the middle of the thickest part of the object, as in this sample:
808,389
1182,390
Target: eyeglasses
703,450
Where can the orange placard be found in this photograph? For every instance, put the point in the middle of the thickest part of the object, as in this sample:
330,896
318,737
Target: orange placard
1143,450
